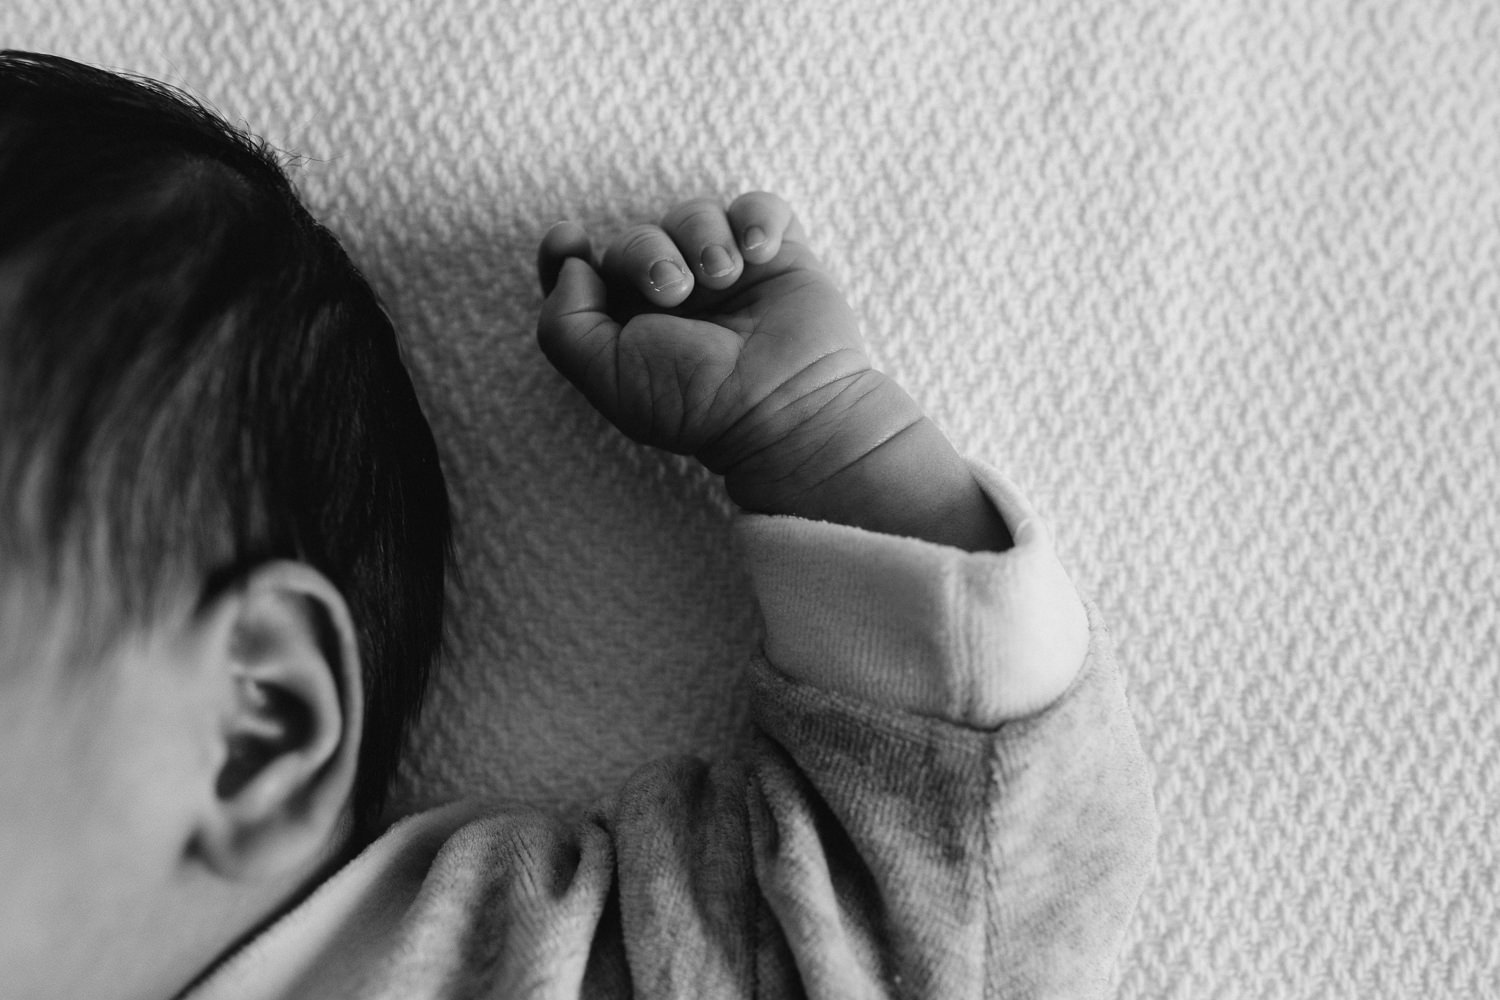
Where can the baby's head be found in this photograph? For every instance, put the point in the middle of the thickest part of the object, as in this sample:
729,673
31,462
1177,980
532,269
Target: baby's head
223,532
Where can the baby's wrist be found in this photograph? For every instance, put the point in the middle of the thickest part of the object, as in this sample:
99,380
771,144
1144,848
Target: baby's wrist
882,465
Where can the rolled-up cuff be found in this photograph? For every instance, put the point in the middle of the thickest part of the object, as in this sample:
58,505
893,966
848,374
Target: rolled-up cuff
975,638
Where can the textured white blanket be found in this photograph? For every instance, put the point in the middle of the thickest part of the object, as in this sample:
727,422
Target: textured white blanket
1217,281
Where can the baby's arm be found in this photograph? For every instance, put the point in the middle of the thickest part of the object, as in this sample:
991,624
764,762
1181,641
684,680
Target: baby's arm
718,334
945,794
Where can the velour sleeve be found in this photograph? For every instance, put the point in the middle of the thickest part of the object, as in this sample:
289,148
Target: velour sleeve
942,796
946,795
975,638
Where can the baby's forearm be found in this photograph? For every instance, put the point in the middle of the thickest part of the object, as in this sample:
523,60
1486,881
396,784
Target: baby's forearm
914,485
881,465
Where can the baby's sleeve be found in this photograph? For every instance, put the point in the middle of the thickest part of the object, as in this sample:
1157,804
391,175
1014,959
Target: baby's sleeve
918,828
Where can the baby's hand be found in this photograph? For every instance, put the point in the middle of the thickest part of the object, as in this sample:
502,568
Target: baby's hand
715,334
718,334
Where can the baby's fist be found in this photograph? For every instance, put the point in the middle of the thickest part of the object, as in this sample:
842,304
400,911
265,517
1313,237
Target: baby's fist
716,333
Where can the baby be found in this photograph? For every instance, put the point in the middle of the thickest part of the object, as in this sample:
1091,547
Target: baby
223,536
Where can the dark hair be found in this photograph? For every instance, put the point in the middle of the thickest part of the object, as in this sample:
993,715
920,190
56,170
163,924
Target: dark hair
194,378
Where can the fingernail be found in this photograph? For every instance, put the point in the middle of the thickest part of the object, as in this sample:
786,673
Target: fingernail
754,237
716,261
666,275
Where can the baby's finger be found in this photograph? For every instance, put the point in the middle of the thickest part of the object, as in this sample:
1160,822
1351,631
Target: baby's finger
762,220
701,232
576,333
565,239
645,259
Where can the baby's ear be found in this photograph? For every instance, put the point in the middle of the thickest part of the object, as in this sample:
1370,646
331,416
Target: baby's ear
290,714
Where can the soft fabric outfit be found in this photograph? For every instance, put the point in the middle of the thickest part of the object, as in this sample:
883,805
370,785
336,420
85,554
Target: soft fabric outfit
877,834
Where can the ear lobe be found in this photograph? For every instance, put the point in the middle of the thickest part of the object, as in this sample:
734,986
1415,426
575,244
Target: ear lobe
290,723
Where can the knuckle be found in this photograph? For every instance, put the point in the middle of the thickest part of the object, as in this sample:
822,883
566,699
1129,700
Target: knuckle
696,213
759,201
641,240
